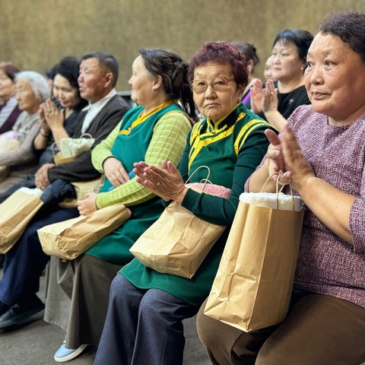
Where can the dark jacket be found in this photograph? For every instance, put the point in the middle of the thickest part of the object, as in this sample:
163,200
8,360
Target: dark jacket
82,169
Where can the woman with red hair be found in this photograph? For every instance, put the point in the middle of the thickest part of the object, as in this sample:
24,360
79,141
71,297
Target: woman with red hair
146,307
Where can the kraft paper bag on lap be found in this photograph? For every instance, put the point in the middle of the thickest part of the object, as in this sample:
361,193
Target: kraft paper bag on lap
253,285
178,241
71,238
7,145
15,214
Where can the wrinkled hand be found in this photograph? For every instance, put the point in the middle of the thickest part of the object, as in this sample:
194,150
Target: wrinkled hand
41,177
55,118
295,162
42,119
256,96
275,158
166,182
270,97
115,172
88,205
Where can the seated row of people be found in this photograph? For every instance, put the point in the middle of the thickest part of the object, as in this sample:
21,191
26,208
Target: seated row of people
148,152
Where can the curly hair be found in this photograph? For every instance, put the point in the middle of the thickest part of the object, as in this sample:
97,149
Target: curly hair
224,53
349,27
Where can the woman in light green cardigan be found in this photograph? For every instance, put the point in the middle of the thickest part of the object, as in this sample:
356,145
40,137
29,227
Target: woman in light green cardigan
155,130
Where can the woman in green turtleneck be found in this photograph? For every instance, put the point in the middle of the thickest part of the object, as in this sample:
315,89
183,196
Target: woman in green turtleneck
146,308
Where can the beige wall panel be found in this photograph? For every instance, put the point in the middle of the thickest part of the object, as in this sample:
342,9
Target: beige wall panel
35,34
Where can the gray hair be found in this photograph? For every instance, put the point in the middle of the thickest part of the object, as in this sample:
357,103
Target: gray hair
37,82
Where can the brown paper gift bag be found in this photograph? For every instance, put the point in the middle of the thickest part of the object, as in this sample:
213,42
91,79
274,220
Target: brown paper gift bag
5,146
177,242
71,238
253,285
15,214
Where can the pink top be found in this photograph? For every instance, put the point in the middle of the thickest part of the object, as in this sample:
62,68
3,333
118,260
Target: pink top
326,263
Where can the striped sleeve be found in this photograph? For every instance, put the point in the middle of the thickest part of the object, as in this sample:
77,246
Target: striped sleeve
167,143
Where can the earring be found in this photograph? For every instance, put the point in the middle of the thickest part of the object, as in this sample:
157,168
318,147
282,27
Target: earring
249,68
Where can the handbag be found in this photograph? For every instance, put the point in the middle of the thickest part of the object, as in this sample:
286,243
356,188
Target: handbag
253,285
178,241
16,212
71,238
71,148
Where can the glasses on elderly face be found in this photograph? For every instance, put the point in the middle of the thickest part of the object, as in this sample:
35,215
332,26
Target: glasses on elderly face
200,86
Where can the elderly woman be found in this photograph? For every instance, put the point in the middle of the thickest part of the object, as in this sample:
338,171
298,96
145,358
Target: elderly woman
9,110
144,321
55,123
279,100
155,130
322,154
31,90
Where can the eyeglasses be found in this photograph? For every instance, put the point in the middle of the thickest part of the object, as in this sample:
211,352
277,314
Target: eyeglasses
200,86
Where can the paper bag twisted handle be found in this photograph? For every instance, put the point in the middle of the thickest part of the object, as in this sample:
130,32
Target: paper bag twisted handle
206,180
279,190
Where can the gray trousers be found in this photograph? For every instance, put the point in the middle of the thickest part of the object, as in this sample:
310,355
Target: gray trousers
143,327
319,330
78,296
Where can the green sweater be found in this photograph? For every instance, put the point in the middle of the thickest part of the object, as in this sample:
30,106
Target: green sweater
160,135
232,149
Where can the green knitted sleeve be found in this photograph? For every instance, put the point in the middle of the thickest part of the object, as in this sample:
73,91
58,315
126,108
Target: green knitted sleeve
103,150
167,143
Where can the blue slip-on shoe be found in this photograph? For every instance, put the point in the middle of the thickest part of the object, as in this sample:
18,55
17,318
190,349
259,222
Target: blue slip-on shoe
64,354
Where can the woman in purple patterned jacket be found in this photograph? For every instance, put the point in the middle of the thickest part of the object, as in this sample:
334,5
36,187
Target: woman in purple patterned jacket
321,152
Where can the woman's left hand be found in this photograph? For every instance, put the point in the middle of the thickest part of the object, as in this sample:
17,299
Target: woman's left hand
88,205
295,162
167,182
55,118
270,98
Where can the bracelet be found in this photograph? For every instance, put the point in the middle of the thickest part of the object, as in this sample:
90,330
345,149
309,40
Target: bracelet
43,135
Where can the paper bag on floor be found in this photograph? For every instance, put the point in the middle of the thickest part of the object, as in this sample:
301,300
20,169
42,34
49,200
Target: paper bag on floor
71,238
15,214
253,285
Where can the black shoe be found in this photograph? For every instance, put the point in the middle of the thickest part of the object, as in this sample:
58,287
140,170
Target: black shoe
3,308
19,313
2,259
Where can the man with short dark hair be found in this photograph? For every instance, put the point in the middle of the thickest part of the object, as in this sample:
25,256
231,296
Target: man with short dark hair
25,261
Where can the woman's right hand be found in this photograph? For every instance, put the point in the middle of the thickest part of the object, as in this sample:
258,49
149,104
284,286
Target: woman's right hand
275,159
55,118
42,119
115,172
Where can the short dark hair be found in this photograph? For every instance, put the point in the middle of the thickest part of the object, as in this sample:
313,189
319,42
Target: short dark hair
302,39
106,61
223,53
69,68
249,50
9,69
349,27
173,71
